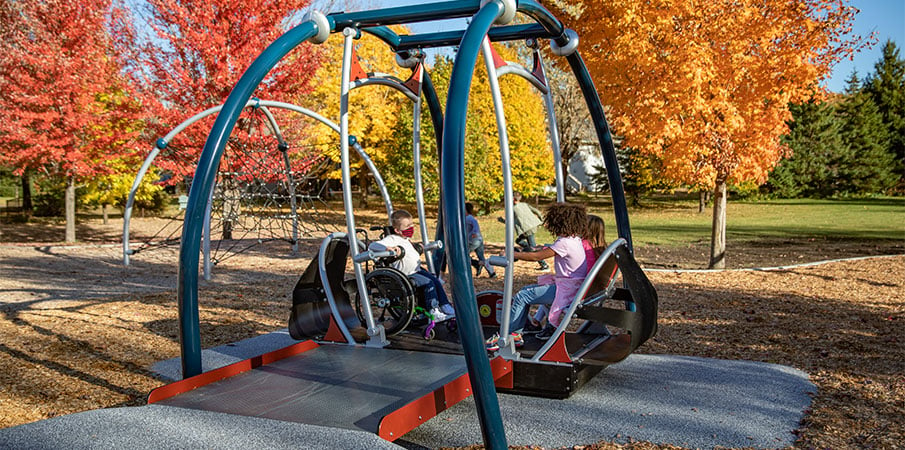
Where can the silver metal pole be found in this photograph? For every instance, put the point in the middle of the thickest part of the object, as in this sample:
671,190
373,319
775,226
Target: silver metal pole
376,333
419,189
509,346
554,132
127,214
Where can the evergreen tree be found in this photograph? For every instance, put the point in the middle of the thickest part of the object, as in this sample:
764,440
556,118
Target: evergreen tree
814,140
867,167
886,86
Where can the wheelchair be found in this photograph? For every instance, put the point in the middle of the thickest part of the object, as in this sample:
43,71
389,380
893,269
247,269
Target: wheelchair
394,299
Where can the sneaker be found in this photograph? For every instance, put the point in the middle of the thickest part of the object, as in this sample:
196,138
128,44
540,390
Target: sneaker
542,266
477,270
448,310
517,337
438,315
493,344
546,333
492,275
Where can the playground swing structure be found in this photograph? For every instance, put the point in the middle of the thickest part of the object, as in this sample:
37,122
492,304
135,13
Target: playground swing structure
570,357
260,201
556,358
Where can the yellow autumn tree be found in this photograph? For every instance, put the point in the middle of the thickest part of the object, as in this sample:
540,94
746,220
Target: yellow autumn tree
705,86
530,151
373,110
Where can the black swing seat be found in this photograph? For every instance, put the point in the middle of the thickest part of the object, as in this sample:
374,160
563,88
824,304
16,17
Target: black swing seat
393,296
639,318
310,313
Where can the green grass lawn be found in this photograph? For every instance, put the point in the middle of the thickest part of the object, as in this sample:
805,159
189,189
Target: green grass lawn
677,222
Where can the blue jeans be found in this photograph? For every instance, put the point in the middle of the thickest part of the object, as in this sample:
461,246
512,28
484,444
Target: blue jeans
433,289
534,294
526,242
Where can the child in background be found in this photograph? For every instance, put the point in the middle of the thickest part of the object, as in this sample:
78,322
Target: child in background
476,242
568,223
526,220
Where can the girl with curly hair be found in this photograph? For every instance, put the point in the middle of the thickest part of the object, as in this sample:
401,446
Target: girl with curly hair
568,222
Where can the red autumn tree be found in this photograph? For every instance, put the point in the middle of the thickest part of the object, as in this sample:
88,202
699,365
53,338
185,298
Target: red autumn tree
57,81
185,56
705,86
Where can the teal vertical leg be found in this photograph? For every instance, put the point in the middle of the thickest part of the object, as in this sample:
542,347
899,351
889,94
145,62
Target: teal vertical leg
202,185
452,196
607,148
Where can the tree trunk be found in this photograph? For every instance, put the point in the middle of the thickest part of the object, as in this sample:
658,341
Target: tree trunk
703,198
104,211
363,184
718,232
26,193
70,209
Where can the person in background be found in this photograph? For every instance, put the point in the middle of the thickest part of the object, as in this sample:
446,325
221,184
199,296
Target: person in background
476,242
526,220
568,222
409,263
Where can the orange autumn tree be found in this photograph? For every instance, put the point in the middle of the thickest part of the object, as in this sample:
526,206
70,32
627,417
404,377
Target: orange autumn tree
705,86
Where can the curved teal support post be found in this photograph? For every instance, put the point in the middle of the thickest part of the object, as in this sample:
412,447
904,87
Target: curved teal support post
436,112
452,196
607,148
384,34
537,12
595,107
205,175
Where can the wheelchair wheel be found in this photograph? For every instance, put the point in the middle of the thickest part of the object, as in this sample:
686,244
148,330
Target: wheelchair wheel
392,300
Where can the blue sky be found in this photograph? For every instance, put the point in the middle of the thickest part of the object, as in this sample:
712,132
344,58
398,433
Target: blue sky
885,17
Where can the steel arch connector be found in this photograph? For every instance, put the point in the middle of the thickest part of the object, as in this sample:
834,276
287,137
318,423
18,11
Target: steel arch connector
569,47
509,8
323,26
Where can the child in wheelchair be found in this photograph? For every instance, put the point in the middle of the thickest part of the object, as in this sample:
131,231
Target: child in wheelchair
408,261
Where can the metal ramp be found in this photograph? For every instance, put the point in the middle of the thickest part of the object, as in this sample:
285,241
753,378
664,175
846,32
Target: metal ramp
382,391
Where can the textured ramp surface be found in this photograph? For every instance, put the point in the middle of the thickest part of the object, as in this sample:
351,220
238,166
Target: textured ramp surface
156,427
687,401
332,385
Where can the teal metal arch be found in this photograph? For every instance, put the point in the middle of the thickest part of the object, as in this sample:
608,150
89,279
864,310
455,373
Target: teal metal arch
484,14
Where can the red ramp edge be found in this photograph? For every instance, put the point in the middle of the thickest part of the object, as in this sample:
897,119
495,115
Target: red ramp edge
221,373
410,416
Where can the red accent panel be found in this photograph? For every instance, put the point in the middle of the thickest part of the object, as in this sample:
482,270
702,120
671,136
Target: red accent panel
407,418
497,59
414,81
502,372
333,332
558,352
215,375
487,307
355,71
538,71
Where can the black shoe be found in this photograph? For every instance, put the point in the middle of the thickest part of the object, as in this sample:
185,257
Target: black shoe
542,268
492,275
546,333
530,328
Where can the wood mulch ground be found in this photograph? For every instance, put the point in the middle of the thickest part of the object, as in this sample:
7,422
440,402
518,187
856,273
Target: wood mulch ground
78,330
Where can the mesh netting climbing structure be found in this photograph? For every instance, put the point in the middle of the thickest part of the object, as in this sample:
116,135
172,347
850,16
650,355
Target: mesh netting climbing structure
270,184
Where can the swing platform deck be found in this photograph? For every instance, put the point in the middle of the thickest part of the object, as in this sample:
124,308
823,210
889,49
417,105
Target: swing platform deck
379,390
539,379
